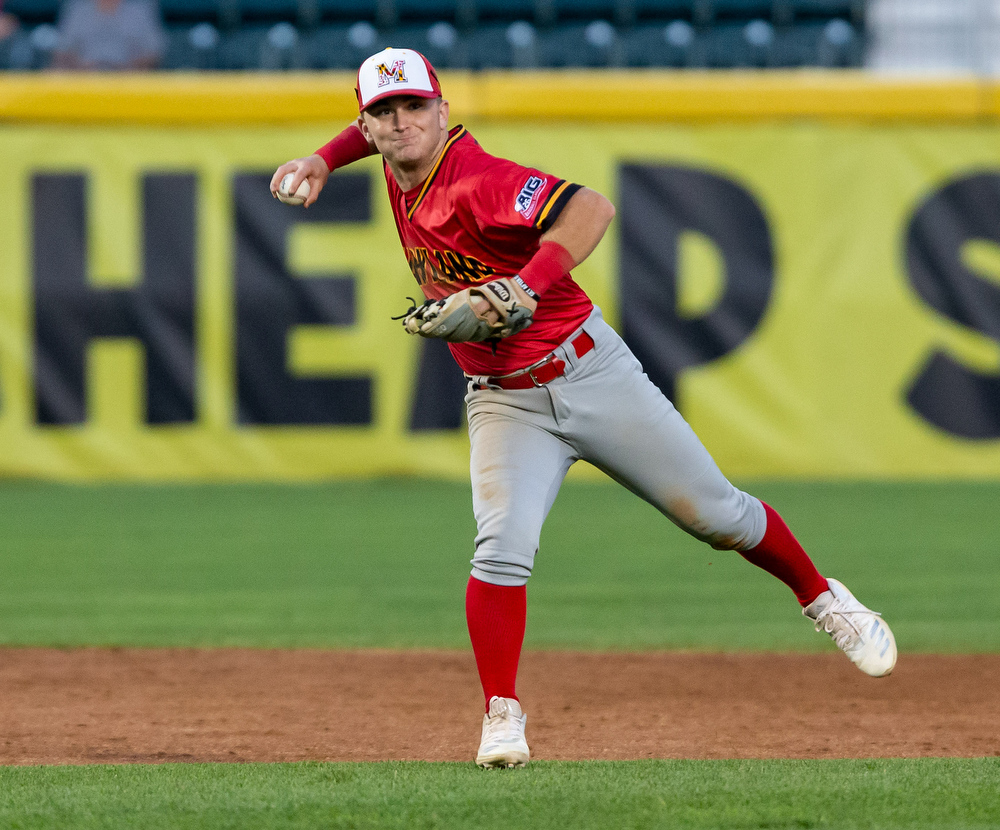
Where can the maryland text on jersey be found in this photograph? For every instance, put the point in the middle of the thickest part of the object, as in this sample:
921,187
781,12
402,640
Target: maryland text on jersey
446,266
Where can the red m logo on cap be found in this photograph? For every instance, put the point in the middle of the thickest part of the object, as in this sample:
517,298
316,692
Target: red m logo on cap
393,73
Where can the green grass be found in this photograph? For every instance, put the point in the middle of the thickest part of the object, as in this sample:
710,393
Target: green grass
884,794
384,563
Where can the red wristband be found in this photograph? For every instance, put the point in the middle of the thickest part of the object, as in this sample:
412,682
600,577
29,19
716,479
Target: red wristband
350,145
549,265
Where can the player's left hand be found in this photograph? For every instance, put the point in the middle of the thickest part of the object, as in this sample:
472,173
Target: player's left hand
498,308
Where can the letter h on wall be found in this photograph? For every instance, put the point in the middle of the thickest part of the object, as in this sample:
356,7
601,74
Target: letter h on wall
159,311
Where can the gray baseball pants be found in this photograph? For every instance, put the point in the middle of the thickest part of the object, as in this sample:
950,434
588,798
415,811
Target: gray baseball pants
604,410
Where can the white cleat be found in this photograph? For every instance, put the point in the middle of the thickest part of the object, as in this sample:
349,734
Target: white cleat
503,743
858,631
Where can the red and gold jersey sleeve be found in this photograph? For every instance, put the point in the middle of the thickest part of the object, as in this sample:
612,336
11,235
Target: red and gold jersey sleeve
509,195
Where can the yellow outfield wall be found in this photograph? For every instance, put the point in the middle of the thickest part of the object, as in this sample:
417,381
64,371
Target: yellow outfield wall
875,353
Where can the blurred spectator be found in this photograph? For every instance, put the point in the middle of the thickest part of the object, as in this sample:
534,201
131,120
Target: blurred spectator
8,23
109,35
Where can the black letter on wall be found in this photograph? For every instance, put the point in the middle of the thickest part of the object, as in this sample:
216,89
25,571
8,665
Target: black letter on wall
657,203
949,395
159,311
270,301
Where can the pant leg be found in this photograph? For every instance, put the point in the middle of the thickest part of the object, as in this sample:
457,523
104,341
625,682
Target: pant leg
618,420
517,466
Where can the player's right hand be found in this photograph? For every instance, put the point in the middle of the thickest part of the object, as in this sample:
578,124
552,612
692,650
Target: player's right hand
311,167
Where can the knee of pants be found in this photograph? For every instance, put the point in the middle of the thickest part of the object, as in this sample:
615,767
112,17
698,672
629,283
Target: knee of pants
501,567
736,522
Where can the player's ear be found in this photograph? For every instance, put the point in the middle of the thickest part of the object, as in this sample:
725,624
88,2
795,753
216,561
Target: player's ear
364,127
443,114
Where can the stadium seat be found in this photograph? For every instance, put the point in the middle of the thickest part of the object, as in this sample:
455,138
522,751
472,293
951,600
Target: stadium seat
840,45
267,11
736,46
342,46
240,49
33,12
661,11
376,12
822,10
485,34
594,44
461,13
16,52
224,13
177,54
742,11
283,48
834,44
505,11
192,47
440,42
669,45
794,46
7,50
557,12
29,49
501,46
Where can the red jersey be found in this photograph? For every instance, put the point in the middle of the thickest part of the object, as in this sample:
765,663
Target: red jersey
476,218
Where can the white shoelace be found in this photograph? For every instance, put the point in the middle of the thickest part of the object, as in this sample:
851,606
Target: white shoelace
843,637
502,727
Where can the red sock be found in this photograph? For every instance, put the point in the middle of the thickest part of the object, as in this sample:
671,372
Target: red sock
780,554
496,616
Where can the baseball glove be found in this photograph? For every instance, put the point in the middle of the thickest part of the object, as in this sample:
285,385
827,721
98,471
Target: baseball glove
456,319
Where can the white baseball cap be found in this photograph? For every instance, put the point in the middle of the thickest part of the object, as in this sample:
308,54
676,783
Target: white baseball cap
395,72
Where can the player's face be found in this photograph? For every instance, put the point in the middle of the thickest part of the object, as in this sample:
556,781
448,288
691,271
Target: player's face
408,131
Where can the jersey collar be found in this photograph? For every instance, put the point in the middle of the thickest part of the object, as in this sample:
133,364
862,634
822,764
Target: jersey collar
453,136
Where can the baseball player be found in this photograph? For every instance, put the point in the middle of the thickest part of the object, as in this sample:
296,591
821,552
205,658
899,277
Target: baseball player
492,245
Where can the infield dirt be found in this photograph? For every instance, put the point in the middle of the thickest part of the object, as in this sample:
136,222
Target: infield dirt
96,705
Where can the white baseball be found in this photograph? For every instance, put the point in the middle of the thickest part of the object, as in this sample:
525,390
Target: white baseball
296,198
